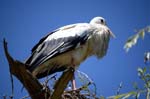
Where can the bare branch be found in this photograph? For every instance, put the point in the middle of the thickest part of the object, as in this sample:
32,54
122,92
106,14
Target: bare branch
61,84
18,69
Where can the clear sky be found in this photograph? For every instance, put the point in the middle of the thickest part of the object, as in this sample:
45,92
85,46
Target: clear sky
24,22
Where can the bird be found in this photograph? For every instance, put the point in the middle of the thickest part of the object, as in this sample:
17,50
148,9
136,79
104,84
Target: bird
69,46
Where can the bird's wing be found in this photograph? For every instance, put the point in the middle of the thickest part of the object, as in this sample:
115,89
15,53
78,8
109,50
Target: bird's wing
64,39
40,42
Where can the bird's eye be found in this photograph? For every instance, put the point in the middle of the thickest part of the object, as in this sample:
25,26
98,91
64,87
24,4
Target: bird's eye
102,21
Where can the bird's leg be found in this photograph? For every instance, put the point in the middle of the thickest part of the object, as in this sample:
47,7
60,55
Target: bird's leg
73,82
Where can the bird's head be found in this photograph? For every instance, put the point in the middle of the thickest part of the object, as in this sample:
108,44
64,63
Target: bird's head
101,21
98,20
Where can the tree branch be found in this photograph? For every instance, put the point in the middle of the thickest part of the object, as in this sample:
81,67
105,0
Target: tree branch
61,84
33,86
18,69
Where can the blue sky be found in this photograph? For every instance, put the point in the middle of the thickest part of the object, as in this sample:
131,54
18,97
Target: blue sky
24,22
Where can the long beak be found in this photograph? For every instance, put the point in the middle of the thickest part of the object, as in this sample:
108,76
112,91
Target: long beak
112,35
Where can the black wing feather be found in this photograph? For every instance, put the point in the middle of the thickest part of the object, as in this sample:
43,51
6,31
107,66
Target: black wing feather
41,41
52,49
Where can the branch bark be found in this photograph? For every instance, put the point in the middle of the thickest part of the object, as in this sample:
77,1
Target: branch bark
33,86
61,84
18,69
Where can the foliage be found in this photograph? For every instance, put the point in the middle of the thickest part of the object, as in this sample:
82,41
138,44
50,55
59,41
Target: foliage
145,76
133,39
143,73
147,57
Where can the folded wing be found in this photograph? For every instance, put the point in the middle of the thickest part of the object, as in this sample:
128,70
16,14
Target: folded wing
60,41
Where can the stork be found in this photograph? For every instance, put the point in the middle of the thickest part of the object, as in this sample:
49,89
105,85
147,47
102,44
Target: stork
68,46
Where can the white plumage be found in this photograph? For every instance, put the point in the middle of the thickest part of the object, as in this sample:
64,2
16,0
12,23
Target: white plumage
69,46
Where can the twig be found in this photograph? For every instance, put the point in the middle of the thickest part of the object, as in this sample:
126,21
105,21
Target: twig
119,88
25,97
4,96
12,84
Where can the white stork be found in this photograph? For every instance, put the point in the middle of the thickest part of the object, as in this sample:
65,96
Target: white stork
69,46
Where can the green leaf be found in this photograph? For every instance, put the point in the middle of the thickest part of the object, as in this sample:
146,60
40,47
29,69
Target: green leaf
126,96
142,33
144,70
147,57
102,97
140,70
130,42
147,76
137,95
148,84
133,39
148,94
123,96
148,29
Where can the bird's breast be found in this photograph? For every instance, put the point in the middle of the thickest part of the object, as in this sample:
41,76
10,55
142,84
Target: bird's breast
80,54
